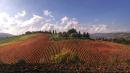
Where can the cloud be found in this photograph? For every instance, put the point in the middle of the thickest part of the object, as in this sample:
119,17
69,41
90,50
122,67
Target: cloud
16,25
13,25
99,28
47,27
22,14
64,19
35,20
47,13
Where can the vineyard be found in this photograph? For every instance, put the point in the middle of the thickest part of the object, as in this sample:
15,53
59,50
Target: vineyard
40,50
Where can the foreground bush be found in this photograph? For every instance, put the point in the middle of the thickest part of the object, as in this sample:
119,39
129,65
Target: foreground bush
61,57
74,58
1,62
21,61
65,56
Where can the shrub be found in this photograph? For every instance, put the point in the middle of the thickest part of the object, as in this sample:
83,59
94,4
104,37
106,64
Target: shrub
21,61
74,58
55,37
65,56
128,62
61,57
1,62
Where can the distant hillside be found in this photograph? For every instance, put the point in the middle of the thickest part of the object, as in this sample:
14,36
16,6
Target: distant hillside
5,35
14,39
111,35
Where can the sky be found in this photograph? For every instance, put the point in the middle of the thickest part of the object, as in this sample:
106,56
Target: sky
93,16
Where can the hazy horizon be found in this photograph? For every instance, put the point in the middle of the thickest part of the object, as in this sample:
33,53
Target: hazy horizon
93,16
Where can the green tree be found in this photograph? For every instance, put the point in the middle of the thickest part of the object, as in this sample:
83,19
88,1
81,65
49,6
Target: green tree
79,35
72,31
86,35
73,35
28,32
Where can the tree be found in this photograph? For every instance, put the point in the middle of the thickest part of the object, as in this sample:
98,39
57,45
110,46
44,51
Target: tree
53,32
86,35
65,34
73,35
72,31
28,32
79,35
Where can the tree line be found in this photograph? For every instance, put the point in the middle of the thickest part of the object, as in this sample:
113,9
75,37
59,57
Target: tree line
70,34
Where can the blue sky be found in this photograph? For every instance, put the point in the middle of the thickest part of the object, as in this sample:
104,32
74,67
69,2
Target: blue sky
112,14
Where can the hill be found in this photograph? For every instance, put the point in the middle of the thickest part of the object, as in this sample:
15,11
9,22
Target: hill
37,48
5,35
111,35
